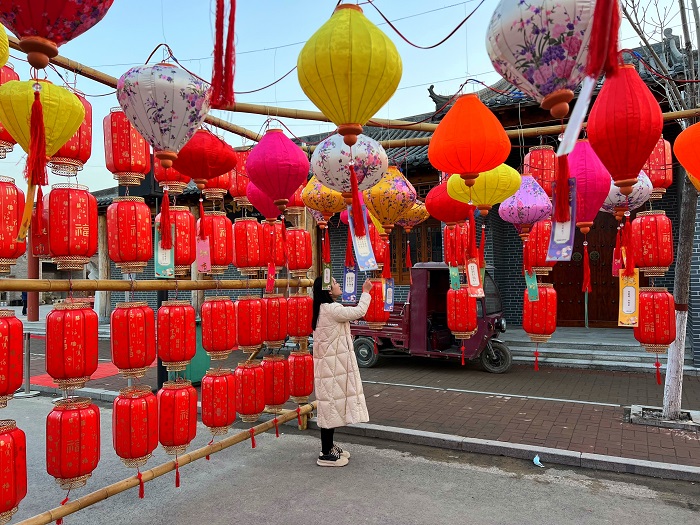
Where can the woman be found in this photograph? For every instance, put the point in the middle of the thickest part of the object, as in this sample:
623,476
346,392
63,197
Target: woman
338,386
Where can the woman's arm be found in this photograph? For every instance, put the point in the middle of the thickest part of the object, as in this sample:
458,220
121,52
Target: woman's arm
342,314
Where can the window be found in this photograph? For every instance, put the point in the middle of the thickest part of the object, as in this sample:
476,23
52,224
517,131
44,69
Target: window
426,246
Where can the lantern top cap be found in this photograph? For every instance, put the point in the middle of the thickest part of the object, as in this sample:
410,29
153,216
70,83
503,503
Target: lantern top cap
653,289
176,385
7,313
543,146
132,304
274,130
218,298
72,403
255,363
273,358
354,7
71,306
7,424
218,372
135,391
10,180
650,213
179,302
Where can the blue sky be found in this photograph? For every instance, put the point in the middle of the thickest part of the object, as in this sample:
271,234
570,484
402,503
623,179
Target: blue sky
269,36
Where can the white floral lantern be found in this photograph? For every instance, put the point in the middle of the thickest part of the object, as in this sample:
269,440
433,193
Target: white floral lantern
617,202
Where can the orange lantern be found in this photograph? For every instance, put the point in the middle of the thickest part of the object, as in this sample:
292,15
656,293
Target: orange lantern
272,244
218,327
656,330
127,154
299,254
376,317
133,338
13,477
72,226
219,230
11,354
536,247
541,164
170,179
276,374
129,236
218,400
185,244
275,320
176,342
461,313
299,311
249,317
301,376
685,148
135,425
72,441
177,416
11,207
652,242
7,141
247,236
72,156
250,390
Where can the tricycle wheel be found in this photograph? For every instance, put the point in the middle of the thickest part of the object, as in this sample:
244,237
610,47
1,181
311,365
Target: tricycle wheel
496,357
364,351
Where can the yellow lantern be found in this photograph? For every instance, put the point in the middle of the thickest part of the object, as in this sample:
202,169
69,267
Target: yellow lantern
62,115
320,198
390,198
4,46
377,224
349,69
413,217
490,187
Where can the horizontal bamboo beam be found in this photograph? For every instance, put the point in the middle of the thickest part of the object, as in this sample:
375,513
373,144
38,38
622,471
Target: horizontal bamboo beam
121,285
45,518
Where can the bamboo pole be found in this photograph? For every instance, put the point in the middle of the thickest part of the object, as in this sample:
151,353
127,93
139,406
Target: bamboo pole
45,518
104,285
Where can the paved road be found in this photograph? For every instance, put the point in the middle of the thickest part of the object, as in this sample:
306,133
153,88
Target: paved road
387,483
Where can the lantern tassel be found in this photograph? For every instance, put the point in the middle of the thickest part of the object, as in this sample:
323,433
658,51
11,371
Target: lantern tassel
166,235
357,217
386,271
409,262
616,250
277,430
39,209
299,416
602,48
177,474
224,58
59,521
586,269
142,489
211,442
349,258
201,219
462,350
561,206
537,356
252,437
473,247
482,248
326,248
658,370
627,243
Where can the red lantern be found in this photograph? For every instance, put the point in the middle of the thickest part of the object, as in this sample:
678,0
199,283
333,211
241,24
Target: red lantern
13,468
135,425
7,141
659,168
11,208
624,126
272,246
378,244
184,241
176,334
461,313
300,312
276,374
39,230
301,376
537,245
133,339
11,353
376,317
127,154
652,242
247,237
216,188
299,254
455,242
275,320
218,327
541,164
444,208
249,317
71,344
296,206
656,330
73,225
250,390
540,317
219,230
170,179
129,236
240,180
72,156
219,400
177,416
204,157
72,441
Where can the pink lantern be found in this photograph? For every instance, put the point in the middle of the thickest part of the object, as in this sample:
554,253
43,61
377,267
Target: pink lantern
262,202
277,166
592,183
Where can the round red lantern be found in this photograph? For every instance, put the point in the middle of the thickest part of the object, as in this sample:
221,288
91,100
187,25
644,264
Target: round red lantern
219,230
219,400
129,235
656,329
7,141
216,188
276,374
444,208
135,425
659,168
240,180
13,476
301,376
72,156
177,416
11,208
72,441
218,327
455,240
652,242
250,390
299,254
247,237
541,164
299,314
204,157
537,245
540,317
71,344
184,243
127,154
275,320
176,341
170,179
249,317
272,245
133,339
11,353
72,225
461,313
376,317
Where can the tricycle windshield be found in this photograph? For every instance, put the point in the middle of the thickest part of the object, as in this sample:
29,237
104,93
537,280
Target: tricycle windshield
493,297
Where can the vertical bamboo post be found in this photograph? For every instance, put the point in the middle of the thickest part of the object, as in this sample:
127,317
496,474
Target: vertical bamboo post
103,269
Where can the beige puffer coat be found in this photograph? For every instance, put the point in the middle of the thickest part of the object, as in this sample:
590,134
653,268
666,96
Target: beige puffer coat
338,386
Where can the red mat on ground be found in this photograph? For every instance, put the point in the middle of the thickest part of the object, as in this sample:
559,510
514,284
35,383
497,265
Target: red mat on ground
103,370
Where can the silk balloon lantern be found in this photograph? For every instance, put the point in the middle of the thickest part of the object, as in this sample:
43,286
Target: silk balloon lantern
390,198
490,188
7,142
204,157
444,208
321,198
409,220
685,148
617,202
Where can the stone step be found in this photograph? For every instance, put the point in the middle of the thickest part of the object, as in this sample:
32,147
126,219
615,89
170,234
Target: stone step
594,355
623,366
592,346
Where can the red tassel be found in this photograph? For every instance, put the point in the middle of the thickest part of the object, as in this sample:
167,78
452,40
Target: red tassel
602,47
409,263
177,474
482,248
59,521
616,250
284,243
210,443
386,271
277,430
473,247
561,206
356,206
36,159
326,247
349,257
586,287
537,357
166,235
224,59
142,489
658,370
629,255
39,209
299,416
462,350
252,437
201,219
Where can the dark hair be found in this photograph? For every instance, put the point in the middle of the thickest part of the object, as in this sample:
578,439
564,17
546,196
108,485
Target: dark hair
321,296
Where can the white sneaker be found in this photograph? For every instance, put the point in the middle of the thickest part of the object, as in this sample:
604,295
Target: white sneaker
342,453
331,460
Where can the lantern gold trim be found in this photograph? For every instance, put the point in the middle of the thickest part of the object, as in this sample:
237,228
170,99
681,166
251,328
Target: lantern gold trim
64,166
5,148
73,483
68,305
214,194
657,193
542,270
7,313
129,178
463,335
73,402
174,187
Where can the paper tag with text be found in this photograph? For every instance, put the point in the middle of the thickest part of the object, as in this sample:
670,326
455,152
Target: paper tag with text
327,276
629,299
350,284
533,293
164,259
475,285
388,295
203,255
454,278
561,241
364,255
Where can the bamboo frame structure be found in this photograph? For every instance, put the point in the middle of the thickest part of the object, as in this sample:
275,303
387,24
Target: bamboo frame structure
45,518
108,285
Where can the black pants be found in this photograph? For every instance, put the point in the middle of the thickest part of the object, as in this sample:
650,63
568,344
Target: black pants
326,440
24,307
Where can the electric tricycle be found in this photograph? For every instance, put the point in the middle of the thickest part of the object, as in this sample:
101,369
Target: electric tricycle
418,327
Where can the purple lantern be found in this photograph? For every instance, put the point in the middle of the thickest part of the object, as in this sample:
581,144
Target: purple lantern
592,183
527,206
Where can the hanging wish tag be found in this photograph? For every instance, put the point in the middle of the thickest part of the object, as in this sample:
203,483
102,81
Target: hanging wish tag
270,284
561,240
364,254
203,255
388,295
454,278
350,284
629,299
327,276
617,263
474,283
533,293
164,263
